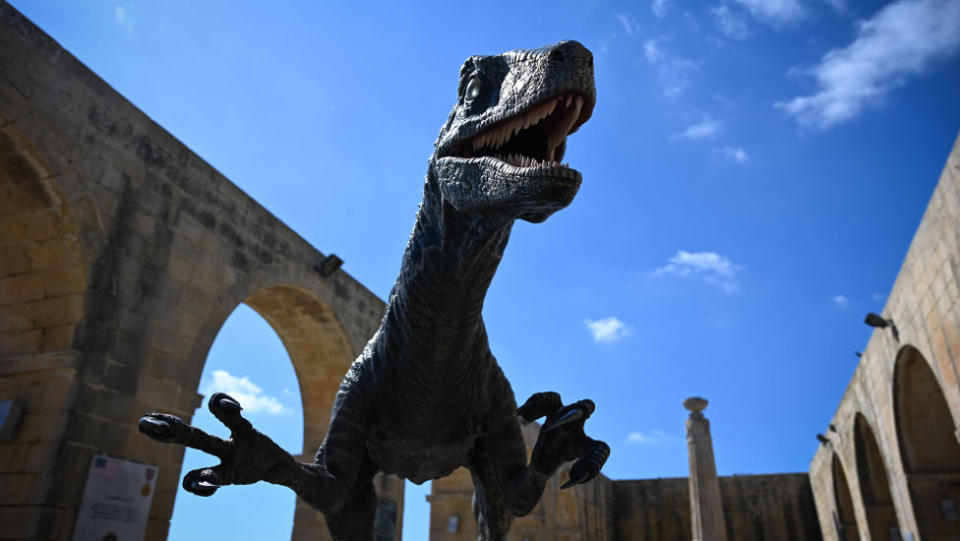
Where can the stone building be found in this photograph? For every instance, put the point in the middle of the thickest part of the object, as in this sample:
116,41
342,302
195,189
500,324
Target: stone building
121,255
890,466
755,507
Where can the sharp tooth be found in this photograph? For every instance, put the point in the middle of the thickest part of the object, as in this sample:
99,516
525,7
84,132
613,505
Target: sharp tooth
569,98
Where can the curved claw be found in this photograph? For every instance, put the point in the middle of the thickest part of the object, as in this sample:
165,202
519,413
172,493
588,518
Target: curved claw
227,409
199,482
540,405
588,467
161,427
567,418
225,403
582,409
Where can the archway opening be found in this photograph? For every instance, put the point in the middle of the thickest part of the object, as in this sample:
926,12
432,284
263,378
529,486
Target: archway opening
928,447
874,484
844,518
248,361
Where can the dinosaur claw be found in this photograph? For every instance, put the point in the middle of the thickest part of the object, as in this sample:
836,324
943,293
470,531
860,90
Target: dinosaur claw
159,428
567,418
226,403
195,484
575,481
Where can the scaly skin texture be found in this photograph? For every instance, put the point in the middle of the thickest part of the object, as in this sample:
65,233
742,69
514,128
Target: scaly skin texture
426,396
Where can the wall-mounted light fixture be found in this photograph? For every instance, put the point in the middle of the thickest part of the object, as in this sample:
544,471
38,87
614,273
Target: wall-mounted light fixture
879,322
328,266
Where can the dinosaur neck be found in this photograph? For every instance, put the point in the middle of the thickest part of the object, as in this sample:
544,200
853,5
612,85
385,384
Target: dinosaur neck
434,314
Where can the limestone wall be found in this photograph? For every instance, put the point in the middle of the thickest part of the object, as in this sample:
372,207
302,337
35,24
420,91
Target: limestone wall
580,513
121,255
893,443
755,507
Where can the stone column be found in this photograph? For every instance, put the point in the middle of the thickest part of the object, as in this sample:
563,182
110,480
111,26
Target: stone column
706,508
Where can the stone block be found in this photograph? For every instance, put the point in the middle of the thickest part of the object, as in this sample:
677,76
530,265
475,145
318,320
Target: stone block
64,281
54,312
20,343
58,338
14,320
14,260
115,406
156,391
58,252
17,488
121,378
157,530
40,427
21,288
41,457
20,522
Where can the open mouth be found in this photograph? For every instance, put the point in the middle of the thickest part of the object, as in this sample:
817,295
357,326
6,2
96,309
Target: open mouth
536,137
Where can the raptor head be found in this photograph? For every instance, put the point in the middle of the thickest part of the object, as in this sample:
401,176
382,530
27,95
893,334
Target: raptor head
502,146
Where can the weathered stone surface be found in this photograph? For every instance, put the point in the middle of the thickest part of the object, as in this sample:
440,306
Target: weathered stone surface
121,255
894,431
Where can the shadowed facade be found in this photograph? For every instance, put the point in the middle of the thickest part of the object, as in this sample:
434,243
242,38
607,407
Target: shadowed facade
122,253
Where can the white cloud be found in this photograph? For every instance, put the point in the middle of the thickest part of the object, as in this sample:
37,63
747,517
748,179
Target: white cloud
123,19
652,437
673,72
732,24
840,6
775,11
628,25
608,329
652,51
704,129
736,154
712,267
660,7
249,395
901,40
840,301
674,76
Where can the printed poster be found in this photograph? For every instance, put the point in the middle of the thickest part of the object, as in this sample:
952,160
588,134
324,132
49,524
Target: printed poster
116,500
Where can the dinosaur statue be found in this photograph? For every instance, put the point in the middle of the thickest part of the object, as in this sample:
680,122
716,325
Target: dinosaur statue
426,395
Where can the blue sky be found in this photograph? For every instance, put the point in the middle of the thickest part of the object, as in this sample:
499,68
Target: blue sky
753,174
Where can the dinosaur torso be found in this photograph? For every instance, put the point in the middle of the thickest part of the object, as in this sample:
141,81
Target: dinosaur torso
436,387
433,377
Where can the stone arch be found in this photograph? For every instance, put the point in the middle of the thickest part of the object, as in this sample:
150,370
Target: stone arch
318,347
42,275
844,516
926,431
320,352
874,482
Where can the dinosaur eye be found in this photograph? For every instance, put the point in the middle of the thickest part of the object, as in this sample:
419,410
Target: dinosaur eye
473,89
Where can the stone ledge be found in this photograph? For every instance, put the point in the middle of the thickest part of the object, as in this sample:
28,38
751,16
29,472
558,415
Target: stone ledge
25,364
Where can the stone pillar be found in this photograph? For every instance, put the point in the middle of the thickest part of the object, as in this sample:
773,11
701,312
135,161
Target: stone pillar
706,508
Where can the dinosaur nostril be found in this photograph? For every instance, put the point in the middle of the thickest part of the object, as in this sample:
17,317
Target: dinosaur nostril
556,55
